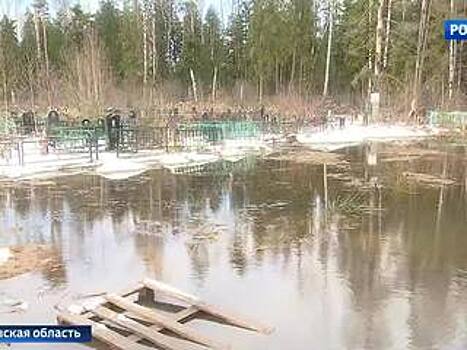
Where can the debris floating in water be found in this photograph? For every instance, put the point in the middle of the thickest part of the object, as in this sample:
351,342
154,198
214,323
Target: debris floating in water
307,156
427,179
146,323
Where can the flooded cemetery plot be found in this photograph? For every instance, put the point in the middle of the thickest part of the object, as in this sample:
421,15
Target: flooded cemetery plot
362,247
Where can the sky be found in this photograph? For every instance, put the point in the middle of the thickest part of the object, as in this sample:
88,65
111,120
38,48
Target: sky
16,8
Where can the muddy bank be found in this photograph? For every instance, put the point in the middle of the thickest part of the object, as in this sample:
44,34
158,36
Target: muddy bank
18,260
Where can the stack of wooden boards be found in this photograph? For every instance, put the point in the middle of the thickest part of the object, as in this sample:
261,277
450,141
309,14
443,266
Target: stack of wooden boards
125,323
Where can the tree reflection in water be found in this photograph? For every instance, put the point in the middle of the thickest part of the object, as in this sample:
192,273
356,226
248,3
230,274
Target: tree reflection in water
390,273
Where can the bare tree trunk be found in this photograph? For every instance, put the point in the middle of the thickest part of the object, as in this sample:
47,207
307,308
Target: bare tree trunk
38,46
452,57
442,92
292,72
460,59
31,83
452,68
328,53
193,84
420,48
136,7
214,84
388,33
38,37
154,46
80,77
404,9
145,52
260,93
241,91
370,50
277,76
5,91
281,77
95,82
460,77
379,45
46,58
99,68
300,77
169,32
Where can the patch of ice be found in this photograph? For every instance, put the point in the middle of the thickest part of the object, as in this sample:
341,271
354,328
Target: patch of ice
42,166
176,161
5,254
119,168
202,158
173,159
333,139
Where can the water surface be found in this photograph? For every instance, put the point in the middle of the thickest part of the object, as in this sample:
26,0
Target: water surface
369,261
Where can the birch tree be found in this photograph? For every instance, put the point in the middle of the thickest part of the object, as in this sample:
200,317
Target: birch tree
379,44
452,56
214,45
387,34
421,44
329,46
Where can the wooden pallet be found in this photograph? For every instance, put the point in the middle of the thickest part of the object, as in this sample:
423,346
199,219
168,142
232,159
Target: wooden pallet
124,323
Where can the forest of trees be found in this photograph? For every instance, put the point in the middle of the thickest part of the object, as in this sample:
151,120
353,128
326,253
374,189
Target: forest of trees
148,51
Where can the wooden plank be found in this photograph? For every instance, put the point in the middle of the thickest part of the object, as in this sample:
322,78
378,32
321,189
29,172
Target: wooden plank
185,313
131,290
236,320
167,323
177,317
101,332
97,301
161,340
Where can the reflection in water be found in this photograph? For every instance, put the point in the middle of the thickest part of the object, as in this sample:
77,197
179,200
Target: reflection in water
387,270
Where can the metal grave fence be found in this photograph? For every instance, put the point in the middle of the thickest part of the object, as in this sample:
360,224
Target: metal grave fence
456,118
93,138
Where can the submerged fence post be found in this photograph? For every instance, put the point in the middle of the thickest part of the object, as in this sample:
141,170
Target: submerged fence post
118,147
90,149
325,185
166,138
136,138
90,142
18,150
21,152
96,140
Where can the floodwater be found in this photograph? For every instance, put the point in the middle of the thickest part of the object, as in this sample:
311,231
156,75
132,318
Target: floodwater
364,260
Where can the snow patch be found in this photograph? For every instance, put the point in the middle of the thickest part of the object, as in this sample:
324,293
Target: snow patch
334,139
5,254
38,165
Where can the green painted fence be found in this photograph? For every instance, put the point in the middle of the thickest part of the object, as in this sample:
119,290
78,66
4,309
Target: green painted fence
440,118
218,131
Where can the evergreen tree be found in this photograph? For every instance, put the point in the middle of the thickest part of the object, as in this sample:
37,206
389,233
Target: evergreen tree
108,23
279,46
9,51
